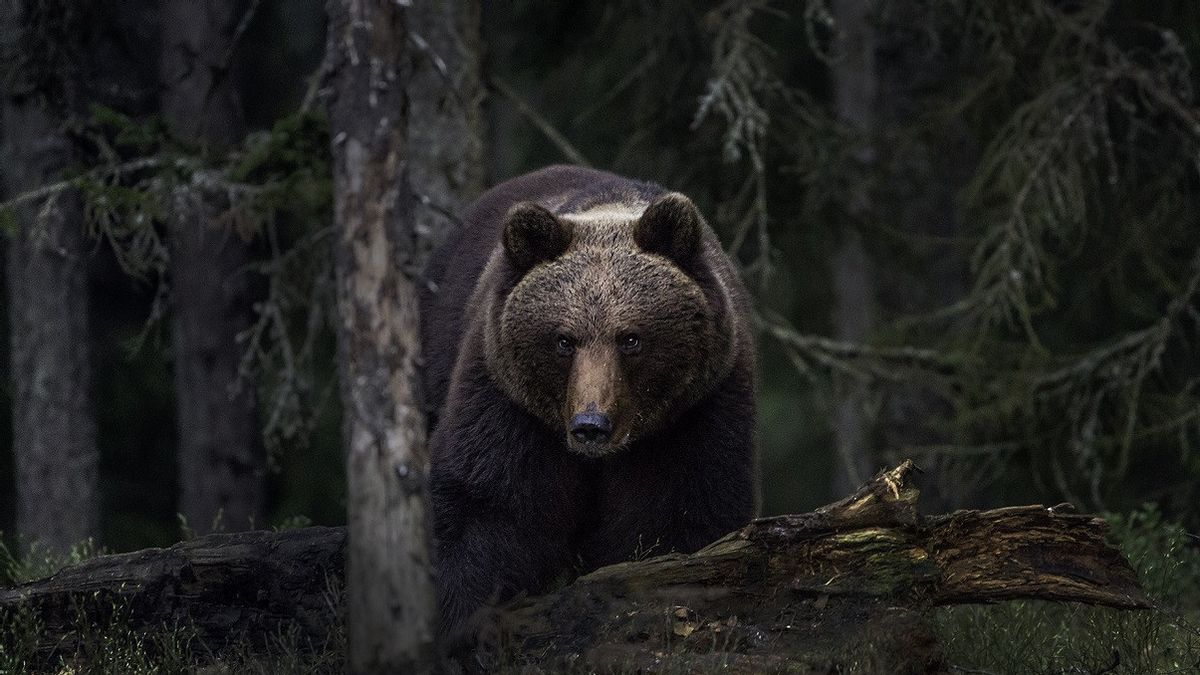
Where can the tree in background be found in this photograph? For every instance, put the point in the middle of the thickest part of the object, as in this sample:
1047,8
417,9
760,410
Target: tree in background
880,69
54,428
445,120
155,192
137,178
1036,375
221,460
390,591
855,104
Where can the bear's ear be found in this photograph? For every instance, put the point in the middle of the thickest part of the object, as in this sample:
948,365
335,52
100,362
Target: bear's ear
533,235
670,227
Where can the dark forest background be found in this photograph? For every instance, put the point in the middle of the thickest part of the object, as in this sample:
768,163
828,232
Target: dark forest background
970,229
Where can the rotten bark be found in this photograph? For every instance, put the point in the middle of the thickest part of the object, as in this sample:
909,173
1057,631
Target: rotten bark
813,592
390,594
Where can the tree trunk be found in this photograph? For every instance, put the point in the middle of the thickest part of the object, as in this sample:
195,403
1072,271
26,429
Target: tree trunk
445,127
850,583
883,72
221,459
855,97
54,427
389,586
923,167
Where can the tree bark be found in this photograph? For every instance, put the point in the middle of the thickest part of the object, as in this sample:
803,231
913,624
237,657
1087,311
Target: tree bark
445,127
54,427
222,463
855,98
390,596
820,590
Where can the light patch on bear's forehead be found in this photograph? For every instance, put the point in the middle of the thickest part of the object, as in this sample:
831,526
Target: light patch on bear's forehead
612,213
604,225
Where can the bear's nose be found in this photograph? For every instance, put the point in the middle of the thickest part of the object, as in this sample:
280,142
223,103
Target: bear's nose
591,427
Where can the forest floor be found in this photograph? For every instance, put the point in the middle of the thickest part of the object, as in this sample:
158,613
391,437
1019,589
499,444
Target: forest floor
1047,637
1018,637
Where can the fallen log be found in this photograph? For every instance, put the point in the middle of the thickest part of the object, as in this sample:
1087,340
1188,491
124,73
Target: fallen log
847,584
223,588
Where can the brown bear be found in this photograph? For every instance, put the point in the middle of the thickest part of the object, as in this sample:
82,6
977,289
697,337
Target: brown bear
591,367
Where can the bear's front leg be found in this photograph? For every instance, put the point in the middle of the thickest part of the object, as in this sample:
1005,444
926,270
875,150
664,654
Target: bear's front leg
493,558
507,500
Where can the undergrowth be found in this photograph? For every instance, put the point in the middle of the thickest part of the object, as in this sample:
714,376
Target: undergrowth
1012,638
39,562
1036,638
106,641
113,647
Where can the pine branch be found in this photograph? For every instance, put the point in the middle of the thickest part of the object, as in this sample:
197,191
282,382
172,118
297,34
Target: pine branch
53,189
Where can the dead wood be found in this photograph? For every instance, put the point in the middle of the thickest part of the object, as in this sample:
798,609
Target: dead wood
226,588
847,585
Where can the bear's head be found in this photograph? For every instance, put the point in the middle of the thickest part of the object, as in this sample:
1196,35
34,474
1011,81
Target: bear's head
608,326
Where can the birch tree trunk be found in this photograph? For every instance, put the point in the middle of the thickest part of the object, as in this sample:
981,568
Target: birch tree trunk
390,596
855,95
221,458
54,427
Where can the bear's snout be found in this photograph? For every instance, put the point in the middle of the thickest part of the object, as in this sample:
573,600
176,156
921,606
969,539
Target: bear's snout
595,411
591,427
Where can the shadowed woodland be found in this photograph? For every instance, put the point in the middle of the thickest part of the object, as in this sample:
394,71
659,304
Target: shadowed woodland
969,230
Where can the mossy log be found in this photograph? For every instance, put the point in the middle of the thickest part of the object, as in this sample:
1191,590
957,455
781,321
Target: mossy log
845,586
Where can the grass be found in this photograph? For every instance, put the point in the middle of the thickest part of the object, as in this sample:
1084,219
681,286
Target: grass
113,647
1044,638
39,562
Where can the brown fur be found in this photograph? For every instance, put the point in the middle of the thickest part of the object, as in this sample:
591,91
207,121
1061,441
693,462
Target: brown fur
591,258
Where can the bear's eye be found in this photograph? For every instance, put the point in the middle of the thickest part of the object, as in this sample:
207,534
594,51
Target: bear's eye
630,343
564,345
